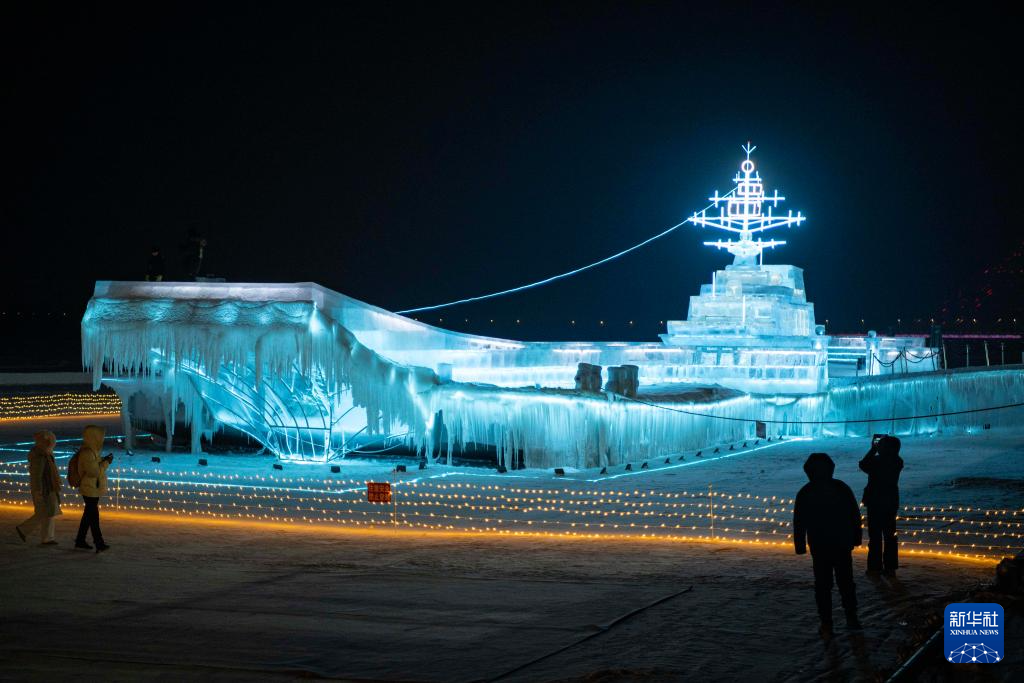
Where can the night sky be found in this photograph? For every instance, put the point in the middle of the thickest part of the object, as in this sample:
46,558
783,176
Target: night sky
412,154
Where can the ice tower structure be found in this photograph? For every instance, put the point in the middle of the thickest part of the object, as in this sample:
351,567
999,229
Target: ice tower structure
752,327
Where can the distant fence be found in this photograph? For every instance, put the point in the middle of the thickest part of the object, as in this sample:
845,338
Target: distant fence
960,352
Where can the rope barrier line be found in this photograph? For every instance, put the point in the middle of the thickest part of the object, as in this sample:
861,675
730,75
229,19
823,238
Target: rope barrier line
554,278
820,422
903,353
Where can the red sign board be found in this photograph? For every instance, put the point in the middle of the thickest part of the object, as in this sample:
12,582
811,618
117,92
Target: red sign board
378,492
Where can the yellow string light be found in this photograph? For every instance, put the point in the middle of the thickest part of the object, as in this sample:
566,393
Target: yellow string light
68,404
951,532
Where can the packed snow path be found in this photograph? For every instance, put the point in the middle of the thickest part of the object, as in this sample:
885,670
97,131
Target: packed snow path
188,599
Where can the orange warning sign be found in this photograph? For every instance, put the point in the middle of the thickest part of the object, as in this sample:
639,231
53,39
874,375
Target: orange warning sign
378,492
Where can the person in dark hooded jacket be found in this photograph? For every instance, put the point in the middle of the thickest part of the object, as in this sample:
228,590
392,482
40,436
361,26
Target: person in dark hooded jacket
827,517
883,465
155,268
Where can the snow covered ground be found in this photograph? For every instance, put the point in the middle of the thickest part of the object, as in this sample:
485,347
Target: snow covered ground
201,597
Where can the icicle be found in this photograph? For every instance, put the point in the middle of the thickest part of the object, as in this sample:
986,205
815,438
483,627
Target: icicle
182,338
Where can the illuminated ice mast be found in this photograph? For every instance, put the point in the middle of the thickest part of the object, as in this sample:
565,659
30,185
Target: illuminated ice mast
743,215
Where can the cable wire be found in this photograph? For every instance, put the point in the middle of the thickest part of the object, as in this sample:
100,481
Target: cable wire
553,278
599,630
820,422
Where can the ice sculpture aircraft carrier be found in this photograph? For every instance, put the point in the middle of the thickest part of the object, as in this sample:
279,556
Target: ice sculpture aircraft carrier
312,374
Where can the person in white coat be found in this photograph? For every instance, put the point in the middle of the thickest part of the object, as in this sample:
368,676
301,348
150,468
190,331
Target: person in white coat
44,481
93,471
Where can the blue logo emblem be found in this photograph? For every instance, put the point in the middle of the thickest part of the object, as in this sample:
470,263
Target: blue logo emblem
974,633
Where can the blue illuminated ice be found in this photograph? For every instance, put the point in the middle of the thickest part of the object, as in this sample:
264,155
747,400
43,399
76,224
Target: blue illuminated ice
309,372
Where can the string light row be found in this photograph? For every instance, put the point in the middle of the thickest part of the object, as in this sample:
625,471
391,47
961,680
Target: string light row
785,523
531,505
68,404
640,532
330,483
166,496
548,496
460,506
541,496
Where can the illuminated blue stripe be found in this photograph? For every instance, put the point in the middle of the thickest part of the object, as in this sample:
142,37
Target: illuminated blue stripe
700,462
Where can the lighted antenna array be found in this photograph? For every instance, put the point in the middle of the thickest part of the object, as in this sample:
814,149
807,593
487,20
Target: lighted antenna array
742,212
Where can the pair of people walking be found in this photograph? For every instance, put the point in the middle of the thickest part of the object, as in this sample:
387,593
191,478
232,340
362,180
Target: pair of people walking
86,470
827,517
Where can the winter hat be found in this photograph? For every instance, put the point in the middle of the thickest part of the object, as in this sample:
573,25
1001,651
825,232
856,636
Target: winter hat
889,445
45,439
819,466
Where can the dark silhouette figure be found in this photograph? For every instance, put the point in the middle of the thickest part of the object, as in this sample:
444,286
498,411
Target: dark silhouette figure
883,465
194,248
827,517
155,268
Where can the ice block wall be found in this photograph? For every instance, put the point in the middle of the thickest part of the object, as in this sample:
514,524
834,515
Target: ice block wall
564,429
960,394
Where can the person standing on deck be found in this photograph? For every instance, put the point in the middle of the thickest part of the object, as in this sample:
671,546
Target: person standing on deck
155,267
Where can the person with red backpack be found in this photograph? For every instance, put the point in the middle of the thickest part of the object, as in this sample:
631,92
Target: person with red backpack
91,472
